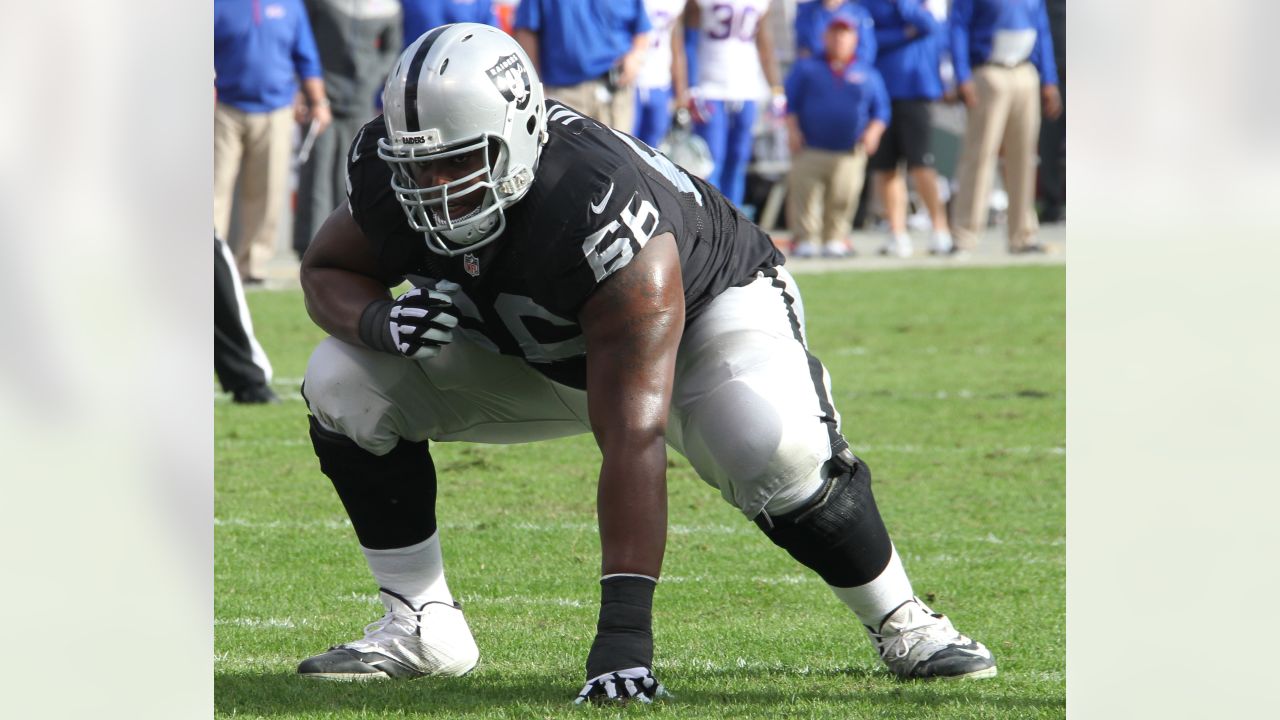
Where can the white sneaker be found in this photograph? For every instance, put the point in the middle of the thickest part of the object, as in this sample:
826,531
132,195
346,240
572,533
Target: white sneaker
916,642
407,642
940,243
837,249
897,246
804,249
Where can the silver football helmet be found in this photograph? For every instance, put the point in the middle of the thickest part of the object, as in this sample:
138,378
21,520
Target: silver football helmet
459,89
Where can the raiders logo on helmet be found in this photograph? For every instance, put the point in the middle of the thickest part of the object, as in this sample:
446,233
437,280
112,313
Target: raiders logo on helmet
512,80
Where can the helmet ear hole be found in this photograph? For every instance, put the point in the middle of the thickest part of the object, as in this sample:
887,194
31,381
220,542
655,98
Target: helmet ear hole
531,125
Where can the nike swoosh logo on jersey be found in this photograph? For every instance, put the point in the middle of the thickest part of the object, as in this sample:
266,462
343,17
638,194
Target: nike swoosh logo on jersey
597,209
355,146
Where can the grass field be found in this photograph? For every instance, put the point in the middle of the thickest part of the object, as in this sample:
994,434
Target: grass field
951,384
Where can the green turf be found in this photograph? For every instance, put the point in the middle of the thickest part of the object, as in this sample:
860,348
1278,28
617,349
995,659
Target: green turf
951,385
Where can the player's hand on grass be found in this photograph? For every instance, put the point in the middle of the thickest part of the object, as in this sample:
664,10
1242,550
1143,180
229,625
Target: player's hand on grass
637,683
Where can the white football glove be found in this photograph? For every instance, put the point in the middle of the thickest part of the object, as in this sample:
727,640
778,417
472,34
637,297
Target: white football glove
637,683
422,320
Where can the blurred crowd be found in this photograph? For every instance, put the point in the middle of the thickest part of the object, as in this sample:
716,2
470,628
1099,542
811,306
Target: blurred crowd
928,118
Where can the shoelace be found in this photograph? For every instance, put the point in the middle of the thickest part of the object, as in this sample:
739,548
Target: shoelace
402,624
901,642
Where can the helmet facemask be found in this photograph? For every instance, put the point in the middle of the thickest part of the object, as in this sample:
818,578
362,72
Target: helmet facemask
427,208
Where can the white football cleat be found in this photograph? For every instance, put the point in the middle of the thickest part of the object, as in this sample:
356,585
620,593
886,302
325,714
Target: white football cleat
407,642
917,643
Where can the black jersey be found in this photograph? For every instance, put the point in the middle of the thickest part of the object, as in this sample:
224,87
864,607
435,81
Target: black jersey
597,198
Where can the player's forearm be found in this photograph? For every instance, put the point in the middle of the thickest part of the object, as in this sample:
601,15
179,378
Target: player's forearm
632,506
679,63
336,299
313,89
639,44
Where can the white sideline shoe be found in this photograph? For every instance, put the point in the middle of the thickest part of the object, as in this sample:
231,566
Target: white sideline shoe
940,244
407,642
804,249
915,642
837,249
897,246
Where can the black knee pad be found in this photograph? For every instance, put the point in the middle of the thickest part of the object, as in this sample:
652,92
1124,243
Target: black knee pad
391,499
838,533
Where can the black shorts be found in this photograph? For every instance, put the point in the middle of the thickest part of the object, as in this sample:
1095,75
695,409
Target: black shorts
907,137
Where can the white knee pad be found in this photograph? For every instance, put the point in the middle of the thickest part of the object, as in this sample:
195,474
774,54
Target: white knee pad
755,448
348,390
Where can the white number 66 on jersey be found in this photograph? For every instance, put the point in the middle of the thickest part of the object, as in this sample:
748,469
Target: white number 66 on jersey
612,246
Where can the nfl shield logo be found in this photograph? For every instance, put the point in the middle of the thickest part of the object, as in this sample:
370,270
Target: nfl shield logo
471,264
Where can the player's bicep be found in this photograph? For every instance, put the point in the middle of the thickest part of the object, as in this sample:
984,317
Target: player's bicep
632,324
339,276
341,244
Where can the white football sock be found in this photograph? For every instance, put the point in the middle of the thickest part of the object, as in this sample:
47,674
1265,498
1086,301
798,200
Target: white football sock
415,572
875,600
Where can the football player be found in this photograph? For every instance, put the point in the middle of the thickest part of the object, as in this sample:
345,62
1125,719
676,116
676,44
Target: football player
536,238
735,64
664,72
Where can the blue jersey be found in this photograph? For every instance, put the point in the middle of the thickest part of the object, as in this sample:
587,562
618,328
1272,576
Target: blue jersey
580,40
1000,31
811,22
422,15
833,106
260,48
910,41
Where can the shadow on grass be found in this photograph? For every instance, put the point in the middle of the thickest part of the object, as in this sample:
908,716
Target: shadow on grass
718,690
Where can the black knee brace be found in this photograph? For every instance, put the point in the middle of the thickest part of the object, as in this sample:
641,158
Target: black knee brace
838,532
391,499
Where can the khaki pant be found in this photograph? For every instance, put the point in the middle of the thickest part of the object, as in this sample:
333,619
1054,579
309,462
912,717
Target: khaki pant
253,147
823,190
1007,116
592,98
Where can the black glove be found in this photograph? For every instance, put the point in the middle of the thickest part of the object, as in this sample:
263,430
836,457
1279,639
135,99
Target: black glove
636,683
416,324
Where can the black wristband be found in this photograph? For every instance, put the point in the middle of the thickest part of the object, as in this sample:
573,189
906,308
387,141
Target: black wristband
624,634
375,326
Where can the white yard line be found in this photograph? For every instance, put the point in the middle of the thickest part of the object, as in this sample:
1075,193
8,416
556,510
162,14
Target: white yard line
913,449
260,623
713,529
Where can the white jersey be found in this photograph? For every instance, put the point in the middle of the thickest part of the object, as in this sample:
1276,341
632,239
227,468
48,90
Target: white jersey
728,62
663,14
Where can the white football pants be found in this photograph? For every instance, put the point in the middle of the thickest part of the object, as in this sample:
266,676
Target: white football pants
751,409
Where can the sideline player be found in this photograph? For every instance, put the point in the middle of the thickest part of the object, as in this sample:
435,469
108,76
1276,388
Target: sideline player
537,238
664,72
734,51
